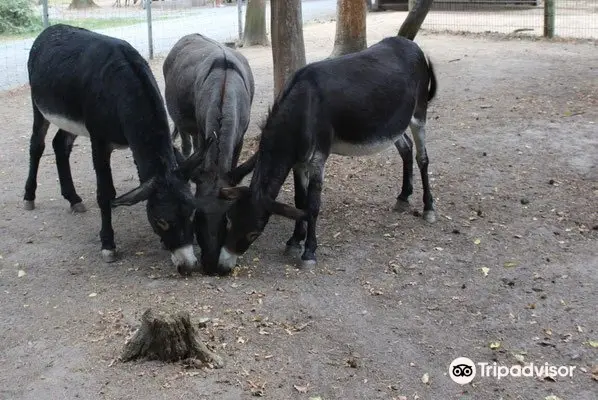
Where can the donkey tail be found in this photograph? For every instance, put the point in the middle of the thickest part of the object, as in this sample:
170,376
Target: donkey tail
433,83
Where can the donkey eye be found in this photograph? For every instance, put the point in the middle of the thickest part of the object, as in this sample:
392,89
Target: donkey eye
252,236
162,224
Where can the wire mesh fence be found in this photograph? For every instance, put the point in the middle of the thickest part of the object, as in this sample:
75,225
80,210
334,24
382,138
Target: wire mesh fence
131,20
153,28
572,18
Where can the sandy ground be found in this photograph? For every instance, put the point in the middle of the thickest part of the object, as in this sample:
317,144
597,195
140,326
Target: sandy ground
506,275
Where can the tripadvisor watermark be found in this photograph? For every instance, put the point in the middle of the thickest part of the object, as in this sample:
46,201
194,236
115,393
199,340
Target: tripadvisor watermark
463,370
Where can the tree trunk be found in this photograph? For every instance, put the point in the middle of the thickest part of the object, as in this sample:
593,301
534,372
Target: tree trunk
288,48
415,18
82,4
255,24
168,337
350,27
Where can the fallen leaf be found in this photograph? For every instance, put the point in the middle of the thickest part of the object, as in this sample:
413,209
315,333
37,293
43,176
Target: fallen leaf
593,343
485,270
519,357
477,241
551,397
301,389
21,273
426,378
494,345
510,264
93,294
315,398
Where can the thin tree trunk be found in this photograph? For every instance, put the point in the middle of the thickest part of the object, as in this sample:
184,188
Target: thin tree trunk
350,27
76,4
255,24
415,19
288,48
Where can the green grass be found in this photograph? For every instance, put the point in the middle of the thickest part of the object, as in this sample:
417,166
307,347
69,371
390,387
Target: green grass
88,23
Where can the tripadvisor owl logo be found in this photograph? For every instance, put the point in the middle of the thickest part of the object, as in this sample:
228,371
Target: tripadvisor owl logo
462,370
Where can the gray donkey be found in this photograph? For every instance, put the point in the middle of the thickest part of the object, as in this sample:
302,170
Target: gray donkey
209,90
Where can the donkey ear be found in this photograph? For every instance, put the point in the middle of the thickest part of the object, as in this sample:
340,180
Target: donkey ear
187,167
233,193
236,175
287,211
141,193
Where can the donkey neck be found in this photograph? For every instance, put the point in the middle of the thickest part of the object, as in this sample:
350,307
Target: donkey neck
153,153
276,157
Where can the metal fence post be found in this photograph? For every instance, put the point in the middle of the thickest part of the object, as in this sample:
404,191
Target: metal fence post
240,18
45,17
150,39
549,18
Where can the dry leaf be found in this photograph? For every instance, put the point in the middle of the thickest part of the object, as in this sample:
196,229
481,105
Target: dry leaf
519,357
485,270
301,389
93,294
477,241
494,345
315,398
551,397
593,343
426,378
21,273
510,264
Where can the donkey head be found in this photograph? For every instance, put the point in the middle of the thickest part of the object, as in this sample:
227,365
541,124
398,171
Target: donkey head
171,208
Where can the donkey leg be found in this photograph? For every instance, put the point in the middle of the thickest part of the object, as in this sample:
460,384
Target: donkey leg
405,147
185,144
36,150
418,128
314,198
301,180
63,145
101,152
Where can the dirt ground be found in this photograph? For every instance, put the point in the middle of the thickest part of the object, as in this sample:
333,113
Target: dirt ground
507,274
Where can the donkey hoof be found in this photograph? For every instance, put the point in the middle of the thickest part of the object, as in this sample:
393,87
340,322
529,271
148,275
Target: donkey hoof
308,264
430,216
28,205
78,208
401,206
108,256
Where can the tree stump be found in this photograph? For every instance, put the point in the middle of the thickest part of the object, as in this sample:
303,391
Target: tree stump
168,337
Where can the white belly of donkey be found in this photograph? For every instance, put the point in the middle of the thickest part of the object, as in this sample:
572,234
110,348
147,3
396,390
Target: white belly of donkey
74,127
360,149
